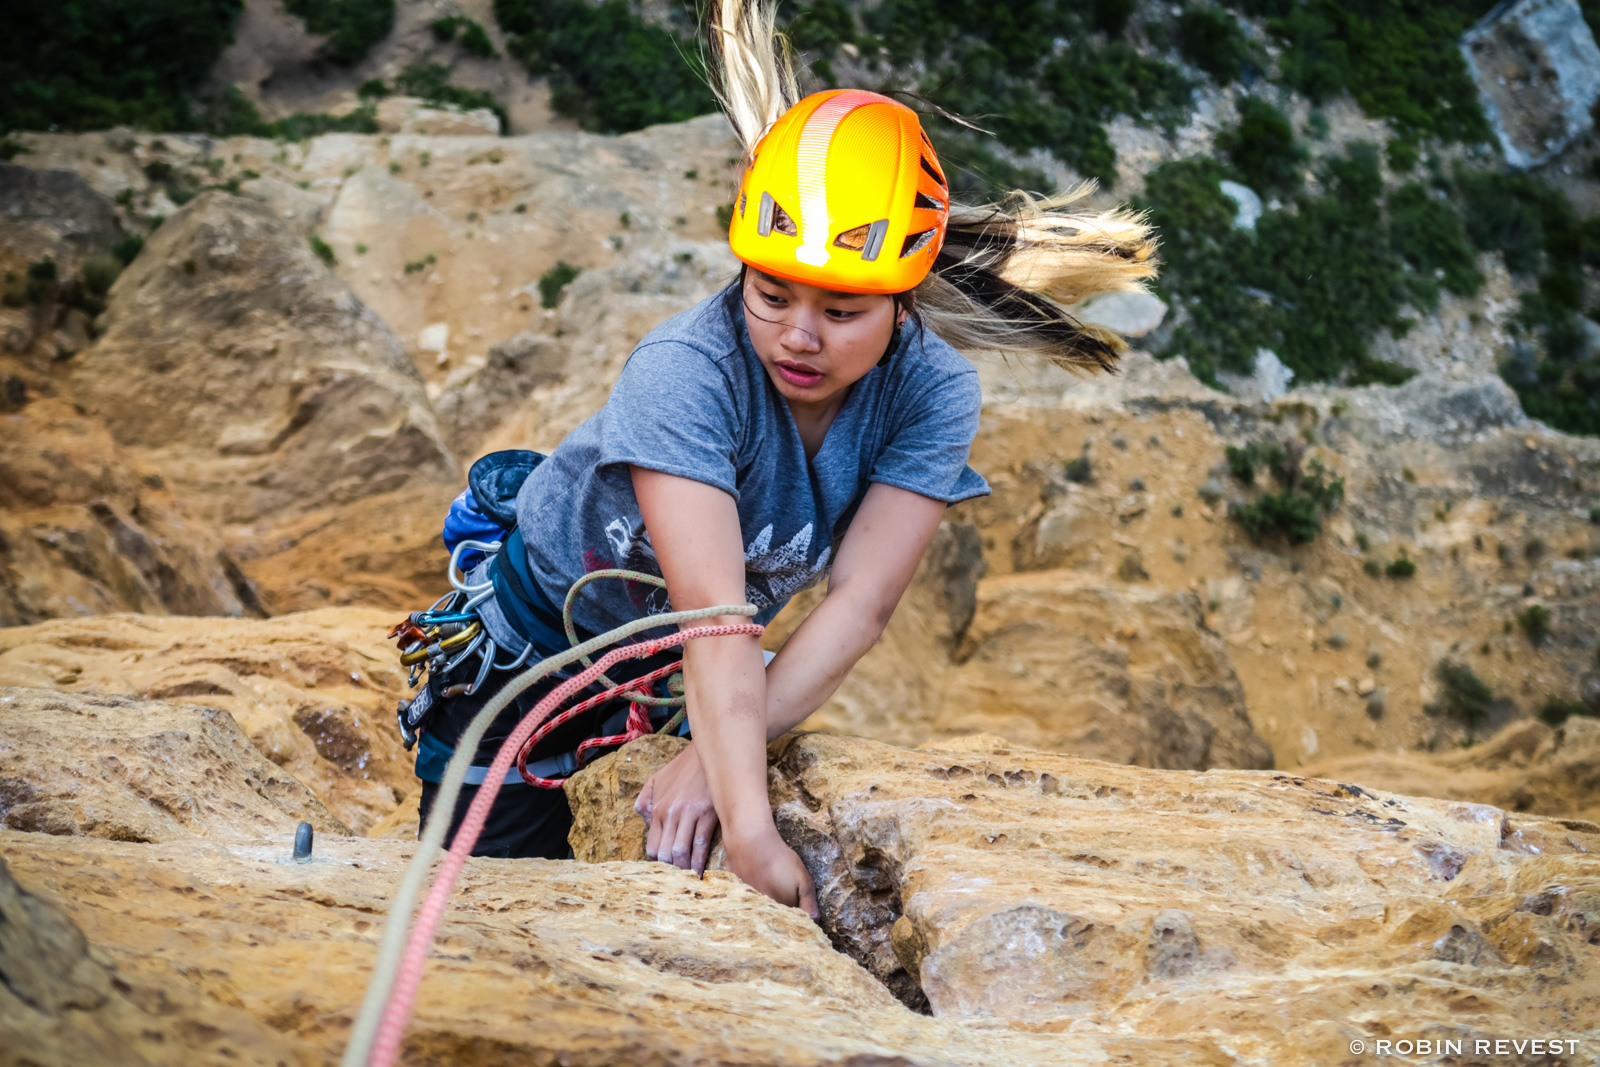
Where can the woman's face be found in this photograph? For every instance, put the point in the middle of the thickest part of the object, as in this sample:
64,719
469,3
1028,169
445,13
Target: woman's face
814,342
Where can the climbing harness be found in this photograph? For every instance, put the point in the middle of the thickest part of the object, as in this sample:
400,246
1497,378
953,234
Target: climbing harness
443,638
375,1037
451,643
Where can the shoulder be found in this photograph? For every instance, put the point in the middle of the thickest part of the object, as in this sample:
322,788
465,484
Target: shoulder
928,367
704,334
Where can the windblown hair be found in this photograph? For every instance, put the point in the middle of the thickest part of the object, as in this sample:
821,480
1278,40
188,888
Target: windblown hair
1007,272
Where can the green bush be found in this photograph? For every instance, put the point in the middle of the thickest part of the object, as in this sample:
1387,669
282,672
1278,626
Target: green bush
1262,147
1463,696
1304,493
1242,462
1557,710
553,281
129,247
1427,234
1536,230
87,66
1000,66
473,37
608,68
1535,622
1402,155
1078,470
99,272
475,40
324,251
352,27
1212,40
1398,58
1313,282
431,83
1401,568
231,114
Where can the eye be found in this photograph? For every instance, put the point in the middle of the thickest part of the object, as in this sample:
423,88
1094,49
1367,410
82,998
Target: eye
841,314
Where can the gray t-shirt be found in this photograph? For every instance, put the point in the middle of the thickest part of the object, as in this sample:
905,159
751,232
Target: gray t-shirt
695,401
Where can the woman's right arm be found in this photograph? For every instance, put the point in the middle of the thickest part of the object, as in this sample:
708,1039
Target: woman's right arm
694,528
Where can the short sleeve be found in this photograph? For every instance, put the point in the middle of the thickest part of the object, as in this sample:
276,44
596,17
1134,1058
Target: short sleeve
673,410
932,438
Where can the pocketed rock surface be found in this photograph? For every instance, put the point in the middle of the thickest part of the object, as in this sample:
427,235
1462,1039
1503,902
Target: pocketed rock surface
1272,917
313,693
537,962
139,770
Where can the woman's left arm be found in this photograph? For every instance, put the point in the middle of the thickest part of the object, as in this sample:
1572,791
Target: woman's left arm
877,559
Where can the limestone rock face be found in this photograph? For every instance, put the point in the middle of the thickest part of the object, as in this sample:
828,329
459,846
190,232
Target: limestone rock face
1538,73
1274,915
1121,673
536,962
52,214
63,1002
229,347
1526,767
139,770
315,694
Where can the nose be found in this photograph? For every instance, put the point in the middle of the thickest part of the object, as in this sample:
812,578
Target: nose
797,338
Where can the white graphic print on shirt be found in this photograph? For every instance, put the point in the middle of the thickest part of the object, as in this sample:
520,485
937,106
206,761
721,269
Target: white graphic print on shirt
772,574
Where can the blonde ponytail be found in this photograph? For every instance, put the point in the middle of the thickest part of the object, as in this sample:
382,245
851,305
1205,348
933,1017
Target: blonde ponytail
751,65
1007,272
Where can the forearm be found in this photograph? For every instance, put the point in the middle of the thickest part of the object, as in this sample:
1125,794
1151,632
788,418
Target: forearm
817,657
727,694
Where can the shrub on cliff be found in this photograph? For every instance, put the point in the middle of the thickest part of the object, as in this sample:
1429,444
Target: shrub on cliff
608,68
88,66
1304,493
352,27
431,83
1462,695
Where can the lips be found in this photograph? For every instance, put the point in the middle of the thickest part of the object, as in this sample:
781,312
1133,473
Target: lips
797,374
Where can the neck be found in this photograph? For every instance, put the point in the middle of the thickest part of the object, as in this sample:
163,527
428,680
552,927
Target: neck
813,417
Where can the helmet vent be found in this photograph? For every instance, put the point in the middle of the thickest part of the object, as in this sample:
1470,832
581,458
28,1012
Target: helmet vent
743,199
917,242
926,201
868,240
773,217
933,173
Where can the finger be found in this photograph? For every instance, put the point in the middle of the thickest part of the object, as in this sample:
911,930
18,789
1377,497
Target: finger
669,835
683,840
808,897
646,798
653,836
703,829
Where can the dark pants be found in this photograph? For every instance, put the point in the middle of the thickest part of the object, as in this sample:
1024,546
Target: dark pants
524,821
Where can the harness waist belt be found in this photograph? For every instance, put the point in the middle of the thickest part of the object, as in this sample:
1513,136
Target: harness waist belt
433,755
526,608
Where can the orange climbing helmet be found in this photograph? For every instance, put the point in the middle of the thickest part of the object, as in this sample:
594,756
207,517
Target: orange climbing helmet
843,192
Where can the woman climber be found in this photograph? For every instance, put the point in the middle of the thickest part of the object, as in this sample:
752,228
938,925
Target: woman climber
812,420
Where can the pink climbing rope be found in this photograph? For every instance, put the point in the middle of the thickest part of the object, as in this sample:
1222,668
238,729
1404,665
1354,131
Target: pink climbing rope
397,1010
